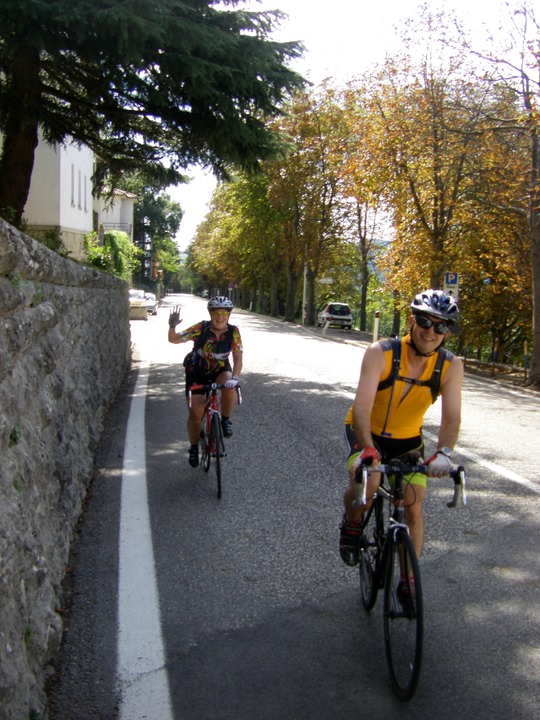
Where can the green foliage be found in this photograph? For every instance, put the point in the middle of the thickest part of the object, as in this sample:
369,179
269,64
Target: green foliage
425,165
147,86
117,256
14,435
52,238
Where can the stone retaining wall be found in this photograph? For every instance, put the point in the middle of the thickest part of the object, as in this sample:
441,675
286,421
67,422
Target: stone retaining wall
64,351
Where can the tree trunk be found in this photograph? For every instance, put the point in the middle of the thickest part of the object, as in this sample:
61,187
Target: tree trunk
290,300
260,295
274,284
20,134
310,299
534,225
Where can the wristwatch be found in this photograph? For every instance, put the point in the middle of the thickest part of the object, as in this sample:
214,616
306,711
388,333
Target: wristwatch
445,451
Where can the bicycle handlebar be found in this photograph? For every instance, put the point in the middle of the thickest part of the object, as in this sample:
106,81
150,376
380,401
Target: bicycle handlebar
401,468
214,386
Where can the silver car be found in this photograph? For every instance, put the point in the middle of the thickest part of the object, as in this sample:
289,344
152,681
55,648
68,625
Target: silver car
151,303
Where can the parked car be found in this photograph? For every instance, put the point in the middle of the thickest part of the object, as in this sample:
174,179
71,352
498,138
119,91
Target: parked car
335,313
151,303
137,305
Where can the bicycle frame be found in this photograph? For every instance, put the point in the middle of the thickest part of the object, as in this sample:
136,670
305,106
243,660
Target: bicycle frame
211,440
387,559
394,496
211,408
399,469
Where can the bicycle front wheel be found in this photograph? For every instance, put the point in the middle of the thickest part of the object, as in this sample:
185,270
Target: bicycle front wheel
369,554
403,615
204,451
218,448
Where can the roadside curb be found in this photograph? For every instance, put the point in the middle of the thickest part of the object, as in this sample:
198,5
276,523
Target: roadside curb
337,335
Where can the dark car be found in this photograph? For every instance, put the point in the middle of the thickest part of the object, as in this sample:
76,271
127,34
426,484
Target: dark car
335,313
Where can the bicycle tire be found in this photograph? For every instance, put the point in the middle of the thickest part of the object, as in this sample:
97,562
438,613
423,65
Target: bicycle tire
204,451
403,619
217,447
369,555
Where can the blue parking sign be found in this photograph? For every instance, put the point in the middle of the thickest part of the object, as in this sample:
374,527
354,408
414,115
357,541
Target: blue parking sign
451,284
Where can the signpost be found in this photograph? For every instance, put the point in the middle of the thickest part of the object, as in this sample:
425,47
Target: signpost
451,284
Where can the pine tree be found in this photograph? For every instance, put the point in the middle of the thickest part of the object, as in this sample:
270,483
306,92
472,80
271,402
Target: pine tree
145,84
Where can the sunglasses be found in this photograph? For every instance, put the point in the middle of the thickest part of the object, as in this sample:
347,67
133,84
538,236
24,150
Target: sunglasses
441,328
219,312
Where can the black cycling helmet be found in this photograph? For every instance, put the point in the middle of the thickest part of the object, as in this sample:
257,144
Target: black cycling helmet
437,303
220,302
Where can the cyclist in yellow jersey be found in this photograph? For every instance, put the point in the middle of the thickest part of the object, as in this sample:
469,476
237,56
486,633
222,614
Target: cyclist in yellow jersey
385,419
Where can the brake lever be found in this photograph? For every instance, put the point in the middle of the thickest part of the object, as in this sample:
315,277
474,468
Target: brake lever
361,487
460,491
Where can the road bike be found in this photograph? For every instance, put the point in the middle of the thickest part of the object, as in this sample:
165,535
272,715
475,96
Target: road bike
211,443
387,561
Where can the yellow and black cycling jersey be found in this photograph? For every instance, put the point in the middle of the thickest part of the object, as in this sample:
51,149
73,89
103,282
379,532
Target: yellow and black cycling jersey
399,408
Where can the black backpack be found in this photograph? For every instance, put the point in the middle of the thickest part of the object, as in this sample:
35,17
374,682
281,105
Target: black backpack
434,382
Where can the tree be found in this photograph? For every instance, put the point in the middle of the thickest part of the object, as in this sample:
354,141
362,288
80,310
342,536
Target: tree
518,73
428,135
366,176
156,219
303,190
116,255
145,85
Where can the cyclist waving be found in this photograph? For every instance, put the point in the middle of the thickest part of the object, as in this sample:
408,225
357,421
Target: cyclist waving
399,380
214,341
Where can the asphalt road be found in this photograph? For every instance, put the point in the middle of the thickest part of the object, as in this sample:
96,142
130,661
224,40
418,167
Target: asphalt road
241,608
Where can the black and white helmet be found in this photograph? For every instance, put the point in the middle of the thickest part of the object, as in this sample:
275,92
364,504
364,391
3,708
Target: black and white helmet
220,302
437,303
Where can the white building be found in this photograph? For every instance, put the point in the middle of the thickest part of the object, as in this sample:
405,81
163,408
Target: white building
115,213
60,198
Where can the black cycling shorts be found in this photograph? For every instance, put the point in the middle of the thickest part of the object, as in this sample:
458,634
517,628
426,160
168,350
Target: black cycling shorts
198,377
389,448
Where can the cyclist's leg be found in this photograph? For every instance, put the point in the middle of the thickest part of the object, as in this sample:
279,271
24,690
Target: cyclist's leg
196,410
415,490
350,526
228,398
354,514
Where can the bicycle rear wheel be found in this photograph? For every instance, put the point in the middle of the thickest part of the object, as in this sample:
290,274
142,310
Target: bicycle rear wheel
370,552
403,615
217,447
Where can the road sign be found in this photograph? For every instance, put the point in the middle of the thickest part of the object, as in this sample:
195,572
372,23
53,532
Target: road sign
451,284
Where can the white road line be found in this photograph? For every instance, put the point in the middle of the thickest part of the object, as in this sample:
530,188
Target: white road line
141,671
494,467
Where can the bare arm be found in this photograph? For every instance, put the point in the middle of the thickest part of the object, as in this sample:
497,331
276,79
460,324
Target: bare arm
370,376
175,337
451,405
237,362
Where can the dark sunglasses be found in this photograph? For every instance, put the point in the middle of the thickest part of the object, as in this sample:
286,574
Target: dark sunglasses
441,328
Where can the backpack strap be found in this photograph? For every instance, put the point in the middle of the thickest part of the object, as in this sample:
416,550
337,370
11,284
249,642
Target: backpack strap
434,382
393,344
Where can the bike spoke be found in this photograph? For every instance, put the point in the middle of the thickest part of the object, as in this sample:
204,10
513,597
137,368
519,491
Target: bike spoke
369,555
403,617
